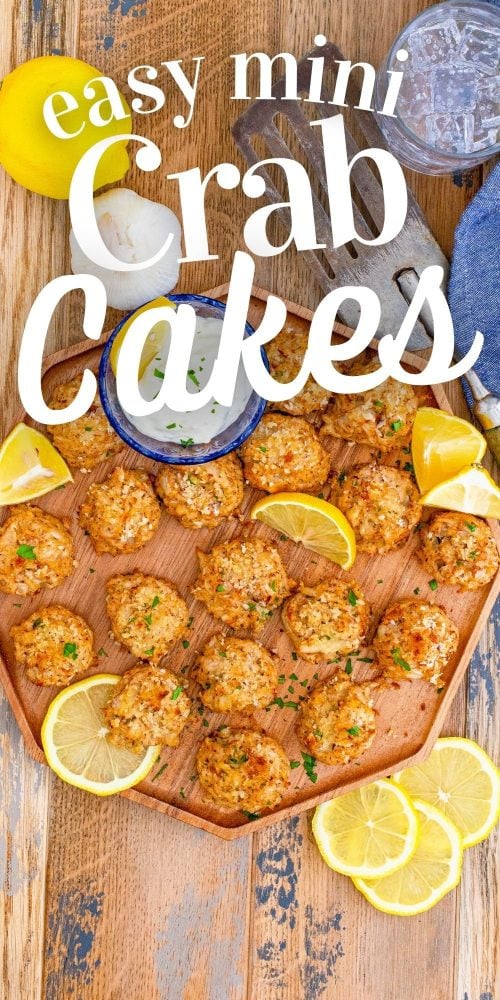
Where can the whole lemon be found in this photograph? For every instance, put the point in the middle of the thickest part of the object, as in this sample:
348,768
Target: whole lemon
29,151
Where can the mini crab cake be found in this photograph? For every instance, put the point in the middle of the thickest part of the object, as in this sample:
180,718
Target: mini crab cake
236,675
415,639
458,549
381,503
285,453
380,417
336,723
90,439
122,513
242,769
200,496
36,551
148,708
328,620
53,645
147,614
285,355
242,582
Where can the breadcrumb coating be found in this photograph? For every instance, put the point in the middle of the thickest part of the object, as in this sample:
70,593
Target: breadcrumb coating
327,621
122,513
459,550
36,551
53,646
149,707
285,453
236,675
242,769
415,639
381,504
336,723
88,440
200,496
147,614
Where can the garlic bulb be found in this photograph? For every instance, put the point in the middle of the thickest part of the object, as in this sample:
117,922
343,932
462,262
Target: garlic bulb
133,229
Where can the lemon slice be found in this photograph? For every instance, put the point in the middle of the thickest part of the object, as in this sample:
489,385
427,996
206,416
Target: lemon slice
461,780
317,524
74,738
432,871
369,832
441,445
471,491
29,466
154,340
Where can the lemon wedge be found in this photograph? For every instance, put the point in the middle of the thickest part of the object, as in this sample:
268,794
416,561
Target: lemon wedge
74,738
471,491
441,445
154,340
29,466
432,871
367,833
460,779
319,525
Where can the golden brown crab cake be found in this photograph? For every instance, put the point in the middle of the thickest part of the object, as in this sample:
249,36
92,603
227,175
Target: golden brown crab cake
36,551
242,769
149,707
88,440
122,513
327,621
458,549
380,417
285,355
415,639
200,496
242,582
381,504
336,723
285,453
53,645
147,614
236,675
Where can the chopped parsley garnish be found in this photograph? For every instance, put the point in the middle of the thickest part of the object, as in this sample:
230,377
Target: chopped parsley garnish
185,643
262,448
176,692
292,704
88,429
378,403
396,425
281,679
365,659
250,815
354,731
220,588
398,659
251,606
182,793
279,702
348,667
158,373
341,477
159,773
309,766
416,591
294,656
433,584
186,442
170,427
193,378
190,621
409,467
283,538
222,652
439,690
70,649
273,585
471,527
148,619
473,555
155,602
205,722
237,761
406,450
91,569
293,677
37,622
102,651
150,651
26,552
294,764
353,600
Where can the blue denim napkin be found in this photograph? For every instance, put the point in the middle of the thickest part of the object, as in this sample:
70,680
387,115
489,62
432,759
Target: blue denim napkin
474,285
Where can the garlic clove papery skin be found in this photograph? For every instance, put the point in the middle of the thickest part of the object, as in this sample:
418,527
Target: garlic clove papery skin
133,229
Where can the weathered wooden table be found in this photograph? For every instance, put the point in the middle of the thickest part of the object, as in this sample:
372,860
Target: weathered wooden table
104,900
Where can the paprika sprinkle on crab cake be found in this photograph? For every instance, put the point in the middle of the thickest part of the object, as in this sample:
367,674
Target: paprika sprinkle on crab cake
242,582
235,675
415,639
148,707
88,440
380,417
53,646
147,614
336,723
458,549
122,513
36,551
381,504
285,355
200,496
285,454
242,769
327,621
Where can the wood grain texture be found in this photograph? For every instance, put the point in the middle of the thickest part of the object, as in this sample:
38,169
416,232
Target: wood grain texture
302,932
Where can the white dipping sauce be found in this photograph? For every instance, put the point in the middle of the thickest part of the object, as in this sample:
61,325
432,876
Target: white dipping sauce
198,426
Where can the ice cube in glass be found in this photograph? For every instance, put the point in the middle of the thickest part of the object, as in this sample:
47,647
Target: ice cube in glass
451,132
488,101
481,48
435,45
454,88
